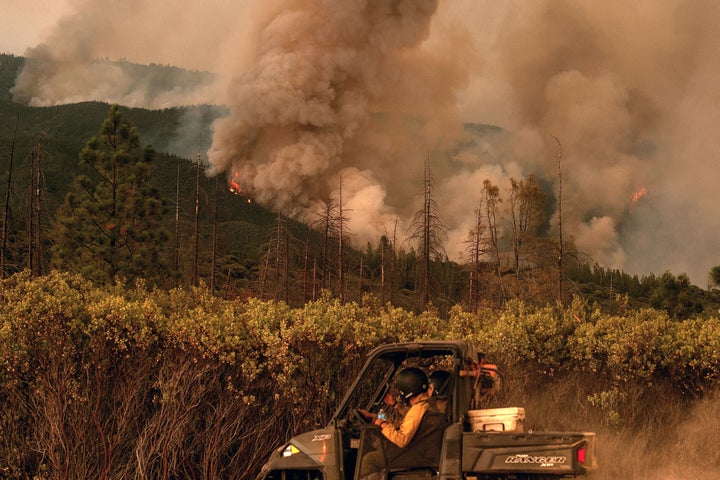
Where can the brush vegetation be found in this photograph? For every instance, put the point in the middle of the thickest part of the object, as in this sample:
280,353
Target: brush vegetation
117,382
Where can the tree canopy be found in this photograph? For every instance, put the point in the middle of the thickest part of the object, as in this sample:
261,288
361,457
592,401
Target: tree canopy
109,225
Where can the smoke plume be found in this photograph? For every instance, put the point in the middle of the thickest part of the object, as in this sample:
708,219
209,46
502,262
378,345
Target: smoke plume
367,91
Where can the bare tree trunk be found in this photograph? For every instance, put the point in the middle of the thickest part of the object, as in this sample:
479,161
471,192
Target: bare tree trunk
38,210
341,226
492,198
360,283
515,225
314,282
560,230
276,261
34,237
176,255
393,263
196,228
286,266
428,231
264,275
382,271
278,249
30,223
328,230
306,266
474,252
426,236
6,210
214,237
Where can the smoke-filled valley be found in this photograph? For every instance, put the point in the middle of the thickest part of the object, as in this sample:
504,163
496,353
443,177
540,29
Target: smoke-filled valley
369,90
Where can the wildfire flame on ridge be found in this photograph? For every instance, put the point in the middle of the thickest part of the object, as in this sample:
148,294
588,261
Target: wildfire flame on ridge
639,194
234,187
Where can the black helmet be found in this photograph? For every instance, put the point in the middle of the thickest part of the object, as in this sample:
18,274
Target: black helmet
411,382
439,380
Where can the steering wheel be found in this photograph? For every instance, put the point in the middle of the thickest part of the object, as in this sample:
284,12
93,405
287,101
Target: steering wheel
355,413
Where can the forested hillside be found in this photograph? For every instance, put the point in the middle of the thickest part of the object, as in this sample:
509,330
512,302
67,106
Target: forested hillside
241,249
59,133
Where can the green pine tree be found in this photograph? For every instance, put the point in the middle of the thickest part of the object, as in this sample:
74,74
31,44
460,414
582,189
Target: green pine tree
109,225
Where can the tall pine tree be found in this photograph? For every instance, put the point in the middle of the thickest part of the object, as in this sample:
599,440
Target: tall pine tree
109,225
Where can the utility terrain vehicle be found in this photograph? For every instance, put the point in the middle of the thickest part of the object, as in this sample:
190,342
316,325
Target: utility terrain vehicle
464,450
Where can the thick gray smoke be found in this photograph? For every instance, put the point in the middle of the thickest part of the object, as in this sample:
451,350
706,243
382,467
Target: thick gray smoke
632,90
337,89
368,90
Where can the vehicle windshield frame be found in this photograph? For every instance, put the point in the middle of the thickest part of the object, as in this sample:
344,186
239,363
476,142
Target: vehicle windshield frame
393,356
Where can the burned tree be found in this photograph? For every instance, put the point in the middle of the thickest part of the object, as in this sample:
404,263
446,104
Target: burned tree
35,253
561,253
275,263
343,231
327,224
475,250
429,233
526,215
388,274
6,209
492,200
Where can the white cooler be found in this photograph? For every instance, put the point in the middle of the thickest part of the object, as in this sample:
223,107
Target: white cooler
511,419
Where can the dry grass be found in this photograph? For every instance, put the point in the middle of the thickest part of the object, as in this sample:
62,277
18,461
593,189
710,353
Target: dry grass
654,433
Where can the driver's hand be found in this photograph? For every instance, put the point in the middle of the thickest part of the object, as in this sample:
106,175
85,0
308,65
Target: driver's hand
366,414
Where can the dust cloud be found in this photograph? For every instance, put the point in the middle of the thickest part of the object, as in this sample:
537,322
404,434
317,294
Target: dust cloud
369,90
675,448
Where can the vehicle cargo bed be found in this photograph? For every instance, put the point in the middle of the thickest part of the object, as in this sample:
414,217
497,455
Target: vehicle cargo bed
554,453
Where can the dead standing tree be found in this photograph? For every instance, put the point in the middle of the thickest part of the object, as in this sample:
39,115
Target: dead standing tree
330,230
343,231
560,230
387,269
491,197
526,215
308,288
429,232
35,252
196,226
213,260
476,248
6,209
274,273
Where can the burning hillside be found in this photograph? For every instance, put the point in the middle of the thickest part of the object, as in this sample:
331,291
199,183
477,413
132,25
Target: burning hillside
369,89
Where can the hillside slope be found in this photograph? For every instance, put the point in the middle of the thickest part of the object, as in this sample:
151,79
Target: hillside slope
180,134
177,135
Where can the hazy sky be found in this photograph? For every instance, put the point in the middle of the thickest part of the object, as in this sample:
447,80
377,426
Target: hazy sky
24,23
368,90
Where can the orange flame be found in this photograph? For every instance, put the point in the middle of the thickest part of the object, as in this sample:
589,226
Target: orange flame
234,184
235,187
639,194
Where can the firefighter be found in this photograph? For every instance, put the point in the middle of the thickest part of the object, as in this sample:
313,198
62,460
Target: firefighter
415,442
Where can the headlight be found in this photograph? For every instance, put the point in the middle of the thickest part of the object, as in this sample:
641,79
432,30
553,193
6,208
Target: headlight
290,450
